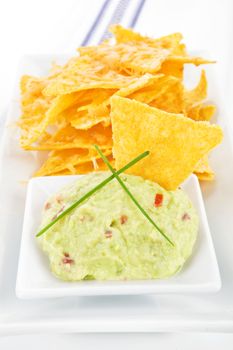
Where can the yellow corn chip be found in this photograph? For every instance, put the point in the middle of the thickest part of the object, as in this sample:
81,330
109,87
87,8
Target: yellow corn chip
91,108
172,99
85,73
176,143
203,170
143,59
84,122
199,93
48,117
124,35
142,82
205,176
55,70
95,165
79,119
31,88
165,92
206,112
131,58
174,65
89,115
60,160
172,41
34,106
201,112
69,137
33,102
173,68
95,109
197,61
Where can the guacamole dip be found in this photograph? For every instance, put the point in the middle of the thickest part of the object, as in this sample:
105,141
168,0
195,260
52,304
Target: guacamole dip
108,238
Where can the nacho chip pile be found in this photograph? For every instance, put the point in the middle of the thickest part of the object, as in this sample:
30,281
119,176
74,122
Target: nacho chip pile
126,97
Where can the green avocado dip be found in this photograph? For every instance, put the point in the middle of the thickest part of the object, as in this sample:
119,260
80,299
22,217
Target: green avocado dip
108,238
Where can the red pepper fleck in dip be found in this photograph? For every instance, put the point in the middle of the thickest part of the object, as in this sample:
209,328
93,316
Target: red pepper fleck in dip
124,219
59,212
186,217
47,205
108,234
67,261
158,200
59,199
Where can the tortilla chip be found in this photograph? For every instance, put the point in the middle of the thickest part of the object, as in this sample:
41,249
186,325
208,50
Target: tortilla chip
205,176
206,112
60,160
34,106
84,122
69,137
34,89
91,108
55,69
197,61
203,170
95,96
199,93
48,117
176,143
85,73
201,112
32,99
124,35
175,69
174,65
85,168
165,92
81,120
172,98
130,58
96,109
142,82
143,60
89,116
172,41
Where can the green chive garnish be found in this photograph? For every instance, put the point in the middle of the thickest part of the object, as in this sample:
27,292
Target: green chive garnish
116,174
91,192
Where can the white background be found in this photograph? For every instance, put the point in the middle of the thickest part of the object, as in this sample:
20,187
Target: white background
58,26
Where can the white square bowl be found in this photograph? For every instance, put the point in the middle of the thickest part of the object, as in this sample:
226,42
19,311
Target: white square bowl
34,279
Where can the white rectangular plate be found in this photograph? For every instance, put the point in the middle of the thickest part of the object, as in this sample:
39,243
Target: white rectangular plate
34,280
170,312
